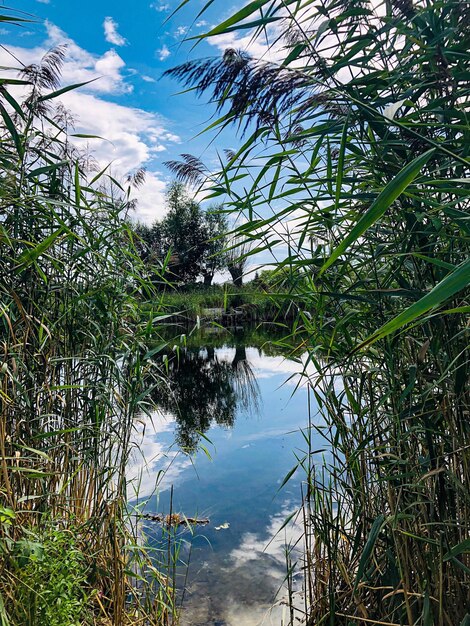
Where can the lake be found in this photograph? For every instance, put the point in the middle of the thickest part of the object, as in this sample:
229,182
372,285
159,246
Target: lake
227,431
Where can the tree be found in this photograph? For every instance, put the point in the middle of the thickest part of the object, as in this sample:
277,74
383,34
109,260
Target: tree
188,240
214,257
236,255
202,389
182,234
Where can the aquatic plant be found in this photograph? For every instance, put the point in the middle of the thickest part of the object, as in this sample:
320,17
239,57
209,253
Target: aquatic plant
355,157
73,360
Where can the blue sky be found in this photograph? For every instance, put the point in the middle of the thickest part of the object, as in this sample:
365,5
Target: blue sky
127,48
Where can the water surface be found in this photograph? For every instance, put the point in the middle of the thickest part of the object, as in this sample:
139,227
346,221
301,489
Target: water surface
227,432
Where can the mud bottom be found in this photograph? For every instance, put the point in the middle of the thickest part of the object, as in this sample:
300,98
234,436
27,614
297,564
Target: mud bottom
239,602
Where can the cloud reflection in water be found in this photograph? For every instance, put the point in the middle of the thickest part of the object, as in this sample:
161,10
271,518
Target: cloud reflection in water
235,573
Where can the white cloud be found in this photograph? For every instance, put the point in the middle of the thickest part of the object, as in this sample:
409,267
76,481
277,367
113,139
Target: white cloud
181,31
150,454
258,556
148,79
111,32
131,134
106,71
151,198
163,53
160,7
270,541
109,64
44,1
133,137
81,65
201,24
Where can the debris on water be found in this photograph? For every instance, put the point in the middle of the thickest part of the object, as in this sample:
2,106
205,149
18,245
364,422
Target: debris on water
223,526
175,519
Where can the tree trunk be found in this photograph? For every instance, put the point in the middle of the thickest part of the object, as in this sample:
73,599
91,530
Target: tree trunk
208,279
240,355
237,275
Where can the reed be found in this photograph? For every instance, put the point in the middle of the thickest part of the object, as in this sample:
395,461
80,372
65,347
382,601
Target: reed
254,303
72,368
355,157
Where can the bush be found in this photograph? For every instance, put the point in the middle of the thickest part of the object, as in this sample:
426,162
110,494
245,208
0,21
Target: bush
51,575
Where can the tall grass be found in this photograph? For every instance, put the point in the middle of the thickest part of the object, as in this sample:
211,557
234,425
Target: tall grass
72,365
251,301
355,155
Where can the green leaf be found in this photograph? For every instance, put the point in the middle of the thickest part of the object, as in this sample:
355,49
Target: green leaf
460,548
368,548
154,351
340,168
47,169
428,619
240,15
31,472
286,521
14,19
294,53
384,200
13,103
12,130
262,21
99,175
59,92
288,476
13,81
453,283
6,514
35,451
31,255
85,136
4,621
78,191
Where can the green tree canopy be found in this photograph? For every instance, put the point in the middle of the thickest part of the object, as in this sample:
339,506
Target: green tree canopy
189,240
214,257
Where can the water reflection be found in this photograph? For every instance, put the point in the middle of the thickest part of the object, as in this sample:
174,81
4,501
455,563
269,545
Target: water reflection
202,389
237,394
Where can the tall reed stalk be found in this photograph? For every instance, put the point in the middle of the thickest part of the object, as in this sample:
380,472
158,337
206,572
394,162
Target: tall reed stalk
355,156
72,368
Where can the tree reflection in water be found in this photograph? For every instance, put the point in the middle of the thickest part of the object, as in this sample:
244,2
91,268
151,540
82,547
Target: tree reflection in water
203,389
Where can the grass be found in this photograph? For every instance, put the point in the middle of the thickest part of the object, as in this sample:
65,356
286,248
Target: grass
73,375
50,575
254,302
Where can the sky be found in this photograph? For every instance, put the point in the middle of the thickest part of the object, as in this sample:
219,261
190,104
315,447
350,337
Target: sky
143,118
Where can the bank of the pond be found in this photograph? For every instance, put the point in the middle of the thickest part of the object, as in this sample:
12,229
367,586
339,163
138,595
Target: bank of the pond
225,304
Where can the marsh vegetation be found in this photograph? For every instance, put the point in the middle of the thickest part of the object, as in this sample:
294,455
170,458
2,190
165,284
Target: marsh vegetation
354,157
72,366
355,154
